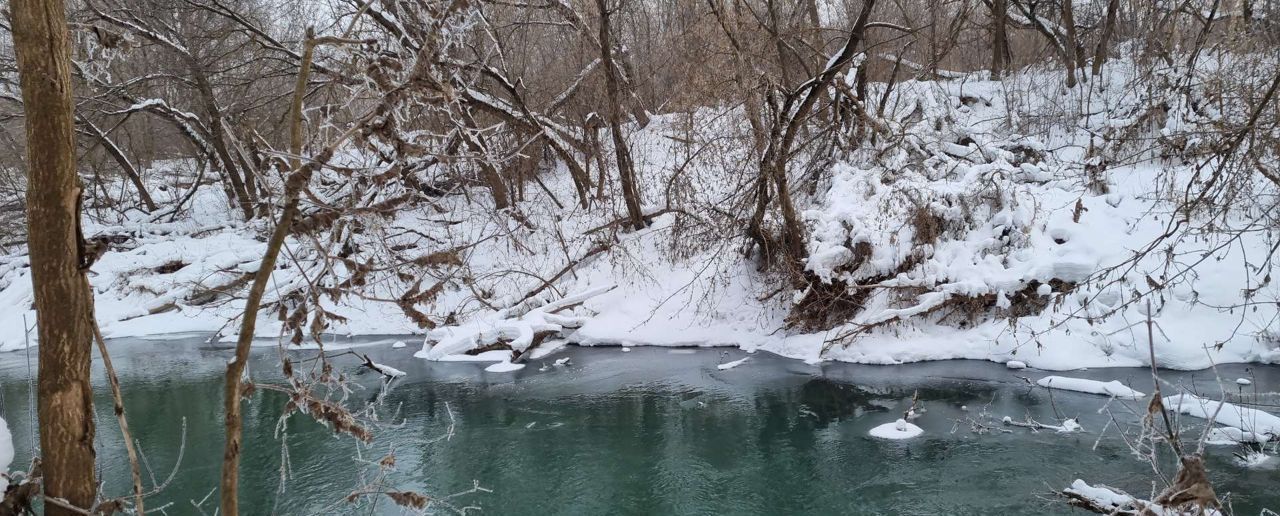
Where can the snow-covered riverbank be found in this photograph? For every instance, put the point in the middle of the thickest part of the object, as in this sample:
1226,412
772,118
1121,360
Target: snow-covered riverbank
963,240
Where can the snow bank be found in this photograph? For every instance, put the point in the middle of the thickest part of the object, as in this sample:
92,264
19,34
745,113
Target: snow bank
1112,388
972,209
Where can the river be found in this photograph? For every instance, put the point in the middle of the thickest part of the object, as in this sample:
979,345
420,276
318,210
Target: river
650,431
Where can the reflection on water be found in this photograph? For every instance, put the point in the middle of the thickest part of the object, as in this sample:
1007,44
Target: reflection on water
646,432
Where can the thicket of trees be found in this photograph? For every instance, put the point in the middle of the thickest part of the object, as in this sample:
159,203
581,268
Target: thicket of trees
269,101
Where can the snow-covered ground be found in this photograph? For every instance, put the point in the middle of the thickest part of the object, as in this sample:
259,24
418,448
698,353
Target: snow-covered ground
964,209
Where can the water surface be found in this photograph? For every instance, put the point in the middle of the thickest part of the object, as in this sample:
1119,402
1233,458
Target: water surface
652,431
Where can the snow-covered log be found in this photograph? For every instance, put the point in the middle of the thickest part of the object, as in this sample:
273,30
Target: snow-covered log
520,334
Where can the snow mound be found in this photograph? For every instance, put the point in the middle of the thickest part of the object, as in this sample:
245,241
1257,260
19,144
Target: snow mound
730,365
398,344
896,430
1112,388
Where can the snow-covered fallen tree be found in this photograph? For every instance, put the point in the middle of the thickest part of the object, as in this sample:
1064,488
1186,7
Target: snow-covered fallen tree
1105,500
517,331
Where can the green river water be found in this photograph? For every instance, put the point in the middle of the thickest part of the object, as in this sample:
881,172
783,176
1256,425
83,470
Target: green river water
653,431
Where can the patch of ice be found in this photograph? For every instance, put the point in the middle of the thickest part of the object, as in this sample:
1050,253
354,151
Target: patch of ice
504,367
497,355
1112,388
899,429
733,364
547,348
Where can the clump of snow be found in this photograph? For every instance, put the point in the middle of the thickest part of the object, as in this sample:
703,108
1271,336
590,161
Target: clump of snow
626,349
563,362
1246,419
733,364
1015,364
899,429
398,344
504,367
1070,425
1112,388
1244,381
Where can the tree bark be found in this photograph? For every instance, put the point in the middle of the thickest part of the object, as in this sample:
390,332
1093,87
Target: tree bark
488,173
626,169
999,38
1070,47
64,302
218,138
1104,40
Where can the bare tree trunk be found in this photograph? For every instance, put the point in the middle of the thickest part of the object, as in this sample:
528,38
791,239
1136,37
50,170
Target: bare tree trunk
773,166
130,171
488,173
244,197
626,169
64,302
1104,40
1070,48
999,38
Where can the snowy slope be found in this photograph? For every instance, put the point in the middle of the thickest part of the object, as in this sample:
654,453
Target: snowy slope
965,209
